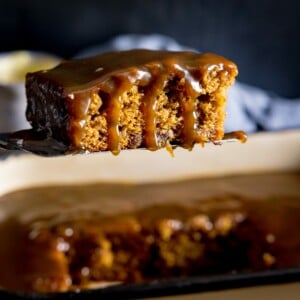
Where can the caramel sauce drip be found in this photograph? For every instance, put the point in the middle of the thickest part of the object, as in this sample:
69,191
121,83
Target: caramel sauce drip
189,123
78,105
238,135
188,108
150,109
114,105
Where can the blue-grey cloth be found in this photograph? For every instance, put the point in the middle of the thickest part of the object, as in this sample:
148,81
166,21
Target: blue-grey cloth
249,108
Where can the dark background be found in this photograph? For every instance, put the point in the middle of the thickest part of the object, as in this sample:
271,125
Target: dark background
262,37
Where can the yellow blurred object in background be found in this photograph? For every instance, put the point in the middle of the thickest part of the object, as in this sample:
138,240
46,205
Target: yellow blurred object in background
13,68
15,65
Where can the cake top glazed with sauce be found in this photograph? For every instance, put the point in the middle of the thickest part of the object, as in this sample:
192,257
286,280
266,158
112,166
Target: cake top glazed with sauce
132,99
81,74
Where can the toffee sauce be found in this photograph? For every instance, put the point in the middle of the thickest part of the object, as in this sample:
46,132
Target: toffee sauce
114,73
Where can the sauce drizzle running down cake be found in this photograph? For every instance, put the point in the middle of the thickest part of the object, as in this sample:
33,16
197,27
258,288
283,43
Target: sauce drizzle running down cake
131,99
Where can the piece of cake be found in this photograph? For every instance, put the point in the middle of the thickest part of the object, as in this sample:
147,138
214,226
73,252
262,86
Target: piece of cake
131,99
159,242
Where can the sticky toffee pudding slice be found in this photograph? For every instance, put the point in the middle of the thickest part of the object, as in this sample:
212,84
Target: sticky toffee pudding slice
132,99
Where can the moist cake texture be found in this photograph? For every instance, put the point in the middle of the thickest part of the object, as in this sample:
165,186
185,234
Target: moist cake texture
131,99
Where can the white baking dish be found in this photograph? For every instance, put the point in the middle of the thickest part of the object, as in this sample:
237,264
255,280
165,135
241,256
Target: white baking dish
264,152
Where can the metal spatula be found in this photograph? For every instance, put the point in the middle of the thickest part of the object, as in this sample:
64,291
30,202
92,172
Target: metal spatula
38,143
